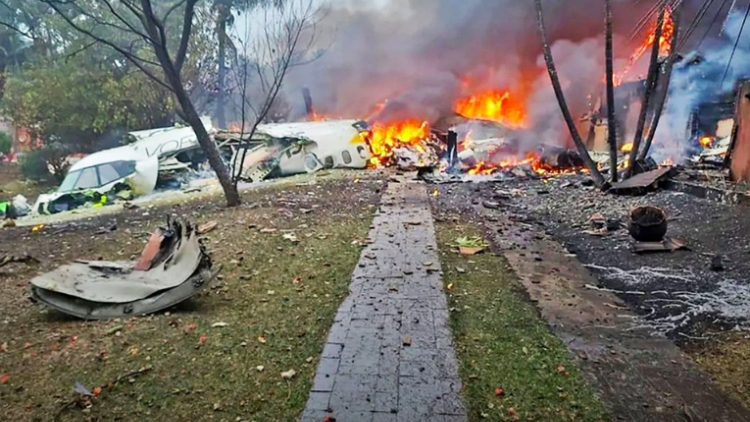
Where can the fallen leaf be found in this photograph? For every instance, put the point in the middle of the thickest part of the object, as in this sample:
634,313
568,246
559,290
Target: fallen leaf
207,227
470,251
4,347
499,391
262,339
114,330
27,345
260,368
289,374
560,369
203,339
190,328
297,280
291,237
133,351
4,379
525,350
268,230
512,413
97,391
309,359
407,341
449,286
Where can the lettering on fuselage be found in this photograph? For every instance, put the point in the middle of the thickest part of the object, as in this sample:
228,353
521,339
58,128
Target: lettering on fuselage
171,146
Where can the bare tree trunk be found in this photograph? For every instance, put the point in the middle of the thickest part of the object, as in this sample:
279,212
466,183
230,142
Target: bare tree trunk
221,99
209,146
611,121
661,99
190,114
549,61
653,76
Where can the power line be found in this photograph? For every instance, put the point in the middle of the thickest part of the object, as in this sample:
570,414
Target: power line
736,43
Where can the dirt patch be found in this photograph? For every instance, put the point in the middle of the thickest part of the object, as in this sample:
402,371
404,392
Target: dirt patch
287,255
725,359
512,366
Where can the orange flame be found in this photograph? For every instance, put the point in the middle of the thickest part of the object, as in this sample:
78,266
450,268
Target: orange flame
626,147
384,138
706,141
665,44
494,105
317,117
532,160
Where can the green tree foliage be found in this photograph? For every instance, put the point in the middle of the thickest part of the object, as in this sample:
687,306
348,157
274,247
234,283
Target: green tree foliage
75,103
6,143
73,91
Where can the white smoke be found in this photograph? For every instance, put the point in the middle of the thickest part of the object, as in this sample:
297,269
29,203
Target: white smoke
693,84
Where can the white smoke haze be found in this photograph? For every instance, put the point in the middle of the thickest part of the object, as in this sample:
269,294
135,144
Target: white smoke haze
693,84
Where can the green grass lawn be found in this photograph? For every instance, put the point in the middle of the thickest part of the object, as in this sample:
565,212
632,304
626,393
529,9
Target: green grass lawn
512,366
217,357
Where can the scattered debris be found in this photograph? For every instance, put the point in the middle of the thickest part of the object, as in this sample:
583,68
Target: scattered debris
668,244
647,224
83,400
407,341
717,263
25,259
643,182
289,374
173,273
291,237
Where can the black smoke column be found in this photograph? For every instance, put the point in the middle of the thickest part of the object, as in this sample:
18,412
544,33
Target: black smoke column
452,150
308,102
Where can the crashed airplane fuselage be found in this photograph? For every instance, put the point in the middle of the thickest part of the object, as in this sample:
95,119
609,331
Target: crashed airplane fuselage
122,172
285,149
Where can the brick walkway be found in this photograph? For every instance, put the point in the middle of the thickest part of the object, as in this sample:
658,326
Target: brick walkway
389,355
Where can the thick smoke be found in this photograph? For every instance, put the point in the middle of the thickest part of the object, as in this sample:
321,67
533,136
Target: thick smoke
706,80
422,55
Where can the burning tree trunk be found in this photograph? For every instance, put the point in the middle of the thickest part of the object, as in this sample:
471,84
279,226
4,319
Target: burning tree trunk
549,61
611,121
661,99
651,80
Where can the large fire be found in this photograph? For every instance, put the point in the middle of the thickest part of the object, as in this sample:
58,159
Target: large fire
384,138
494,105
665,44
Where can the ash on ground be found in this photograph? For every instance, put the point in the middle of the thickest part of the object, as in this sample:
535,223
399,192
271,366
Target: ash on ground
685,293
